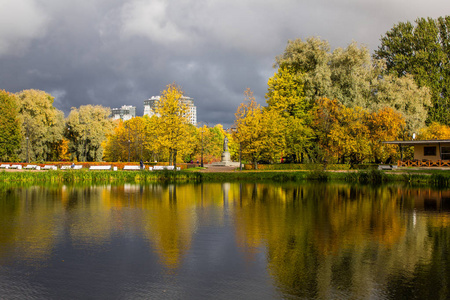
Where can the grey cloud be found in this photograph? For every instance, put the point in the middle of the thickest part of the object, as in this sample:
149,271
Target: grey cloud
21,21
115,52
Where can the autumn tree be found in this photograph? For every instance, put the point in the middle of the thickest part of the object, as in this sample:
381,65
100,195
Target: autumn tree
248,119
62,150
172,129
209,142
10,127
352,77
259,132
134,137
274,130
353,134
434,131
342,131
43,125
129,140
113,146
87,128
422,50
384,125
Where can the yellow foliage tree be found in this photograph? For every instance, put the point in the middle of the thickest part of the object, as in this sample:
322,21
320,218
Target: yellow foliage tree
354,134
131,140
274,130
249,134
210,142
285,95
63,150
349,136
435,131
172,128
261,133
384,125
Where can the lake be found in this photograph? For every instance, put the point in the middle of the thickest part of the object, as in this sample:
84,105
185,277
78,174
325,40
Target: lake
224,241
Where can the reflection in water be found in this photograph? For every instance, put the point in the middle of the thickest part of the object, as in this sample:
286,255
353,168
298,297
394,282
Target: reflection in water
320,241
328,241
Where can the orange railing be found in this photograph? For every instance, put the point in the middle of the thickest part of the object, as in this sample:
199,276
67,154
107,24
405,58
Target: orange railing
423,163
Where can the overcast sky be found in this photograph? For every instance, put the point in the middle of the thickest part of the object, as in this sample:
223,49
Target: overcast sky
116,52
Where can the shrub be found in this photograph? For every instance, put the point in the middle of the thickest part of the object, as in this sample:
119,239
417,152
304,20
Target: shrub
297,166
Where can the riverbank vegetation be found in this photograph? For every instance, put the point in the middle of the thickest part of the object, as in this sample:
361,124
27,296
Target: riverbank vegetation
436,178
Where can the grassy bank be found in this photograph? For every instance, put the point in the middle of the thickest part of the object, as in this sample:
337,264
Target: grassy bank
433,178
68,176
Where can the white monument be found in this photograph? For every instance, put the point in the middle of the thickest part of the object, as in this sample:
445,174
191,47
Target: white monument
225,155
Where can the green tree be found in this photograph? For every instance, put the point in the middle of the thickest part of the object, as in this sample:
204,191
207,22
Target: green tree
87,128
352,74
286,97
403,96
309,59
422,50
10,127
43,125
354,79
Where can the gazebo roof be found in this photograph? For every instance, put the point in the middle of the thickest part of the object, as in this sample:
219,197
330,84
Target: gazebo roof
417,142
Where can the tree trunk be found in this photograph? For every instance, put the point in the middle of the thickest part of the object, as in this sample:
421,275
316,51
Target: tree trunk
175,159
170,157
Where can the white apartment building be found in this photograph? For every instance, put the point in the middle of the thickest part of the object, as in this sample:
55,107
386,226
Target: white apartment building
126,112
151,104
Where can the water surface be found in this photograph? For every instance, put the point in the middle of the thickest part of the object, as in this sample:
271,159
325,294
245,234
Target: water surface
224,241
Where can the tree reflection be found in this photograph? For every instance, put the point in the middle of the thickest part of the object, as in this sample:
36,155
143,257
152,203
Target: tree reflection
332,240
28,218
320,240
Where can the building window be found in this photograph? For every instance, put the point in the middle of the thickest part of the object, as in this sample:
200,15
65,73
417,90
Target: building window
429,151
445,153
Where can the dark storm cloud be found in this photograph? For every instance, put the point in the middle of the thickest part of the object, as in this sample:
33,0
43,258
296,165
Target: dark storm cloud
113,53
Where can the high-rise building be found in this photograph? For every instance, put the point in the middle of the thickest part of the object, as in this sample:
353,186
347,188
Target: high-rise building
151,104
124,113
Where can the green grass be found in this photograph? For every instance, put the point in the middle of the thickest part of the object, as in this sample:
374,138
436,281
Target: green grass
96,176
439,178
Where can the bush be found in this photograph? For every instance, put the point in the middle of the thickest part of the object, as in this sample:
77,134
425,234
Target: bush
318,175
371,176
440,180
287,167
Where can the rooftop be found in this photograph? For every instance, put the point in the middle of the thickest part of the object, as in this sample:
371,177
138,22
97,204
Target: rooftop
416,142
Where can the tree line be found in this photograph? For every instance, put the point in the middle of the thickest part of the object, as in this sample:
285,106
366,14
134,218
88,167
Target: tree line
337,106
321,105
32,129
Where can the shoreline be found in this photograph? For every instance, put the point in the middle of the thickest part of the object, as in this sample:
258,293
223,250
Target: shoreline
435,178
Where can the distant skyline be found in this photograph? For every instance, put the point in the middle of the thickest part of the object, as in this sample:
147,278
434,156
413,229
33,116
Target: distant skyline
116,52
